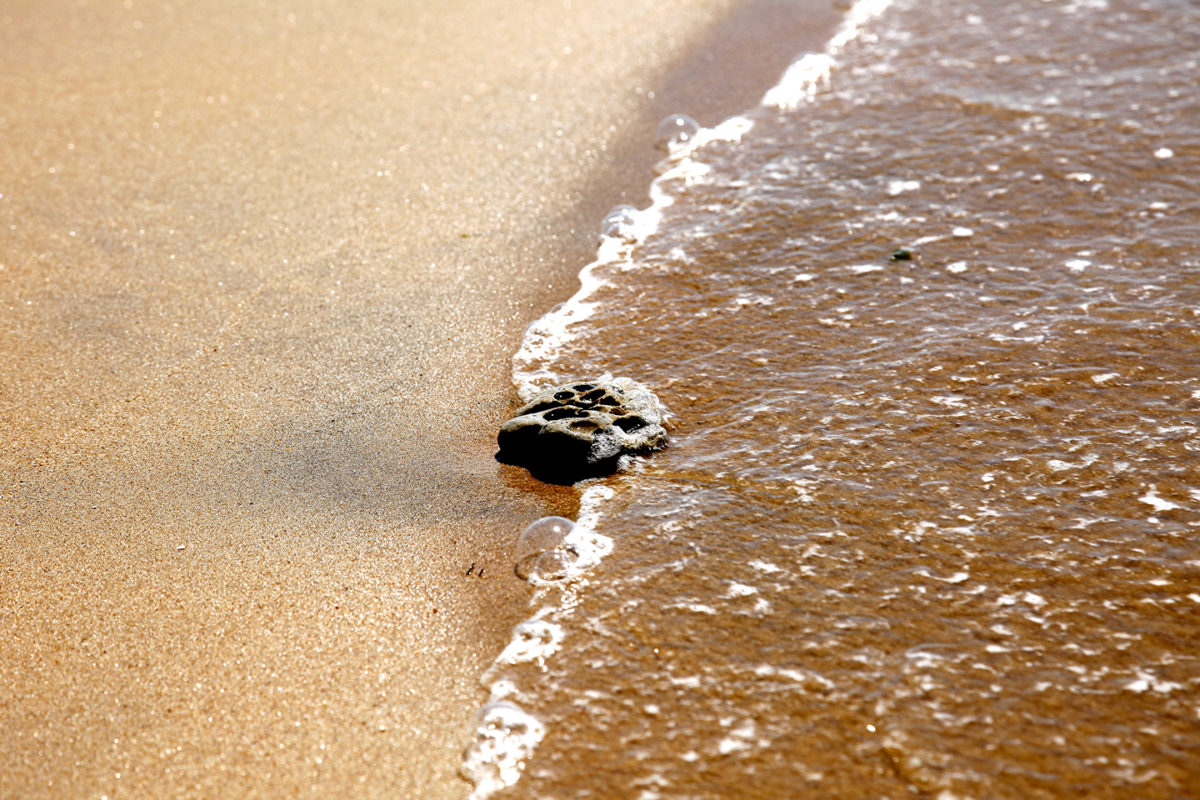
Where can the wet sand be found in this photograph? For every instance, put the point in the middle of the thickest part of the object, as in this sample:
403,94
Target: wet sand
261,273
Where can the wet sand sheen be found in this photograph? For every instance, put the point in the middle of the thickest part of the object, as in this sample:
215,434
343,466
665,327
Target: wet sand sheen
263,270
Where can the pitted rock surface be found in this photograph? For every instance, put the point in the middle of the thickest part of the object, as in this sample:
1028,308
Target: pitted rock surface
582,429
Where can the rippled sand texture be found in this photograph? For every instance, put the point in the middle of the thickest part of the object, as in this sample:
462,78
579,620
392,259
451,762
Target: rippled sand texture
928,527
262,268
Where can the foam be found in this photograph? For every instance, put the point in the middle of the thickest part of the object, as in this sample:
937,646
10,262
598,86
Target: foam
553,554
810,74
590,502
897,186
735,589
699,608
805,77
731,130
739,738
620,223
625,227
1152,499
803,677
1148,682
505,736
534,640
555,549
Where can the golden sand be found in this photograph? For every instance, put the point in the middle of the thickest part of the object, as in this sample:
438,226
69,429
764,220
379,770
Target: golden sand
262,267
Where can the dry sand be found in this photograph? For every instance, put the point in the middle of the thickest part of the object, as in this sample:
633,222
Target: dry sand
262,267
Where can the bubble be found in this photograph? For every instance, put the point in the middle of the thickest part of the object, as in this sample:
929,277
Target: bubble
620,223
554,549
546,535
675,131
554,565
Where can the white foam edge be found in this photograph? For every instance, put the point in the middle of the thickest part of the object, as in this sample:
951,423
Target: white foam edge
534,640
590,502
810,73
546,336
803,79
731,130
589,549
505,736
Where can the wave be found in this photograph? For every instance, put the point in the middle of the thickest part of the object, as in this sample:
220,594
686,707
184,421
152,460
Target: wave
506,735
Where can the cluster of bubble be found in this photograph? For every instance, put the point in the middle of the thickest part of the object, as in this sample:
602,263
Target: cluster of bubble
554,549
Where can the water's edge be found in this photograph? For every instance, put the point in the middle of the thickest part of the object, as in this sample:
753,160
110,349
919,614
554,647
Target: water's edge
506,736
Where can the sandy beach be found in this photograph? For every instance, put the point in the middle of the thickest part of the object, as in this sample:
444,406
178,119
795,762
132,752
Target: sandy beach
262,268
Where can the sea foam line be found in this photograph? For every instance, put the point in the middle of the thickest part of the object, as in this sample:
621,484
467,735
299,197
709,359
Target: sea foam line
545,339
810,73
506,734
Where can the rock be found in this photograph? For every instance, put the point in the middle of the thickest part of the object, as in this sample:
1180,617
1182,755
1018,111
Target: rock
582,429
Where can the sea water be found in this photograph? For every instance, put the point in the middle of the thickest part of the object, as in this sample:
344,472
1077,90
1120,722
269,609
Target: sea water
928,319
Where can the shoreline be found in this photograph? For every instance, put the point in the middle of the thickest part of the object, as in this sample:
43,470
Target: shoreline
260,334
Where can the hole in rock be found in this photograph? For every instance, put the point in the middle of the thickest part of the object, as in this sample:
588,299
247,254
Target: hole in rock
594,395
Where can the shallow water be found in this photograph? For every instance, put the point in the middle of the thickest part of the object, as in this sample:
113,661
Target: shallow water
927,527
